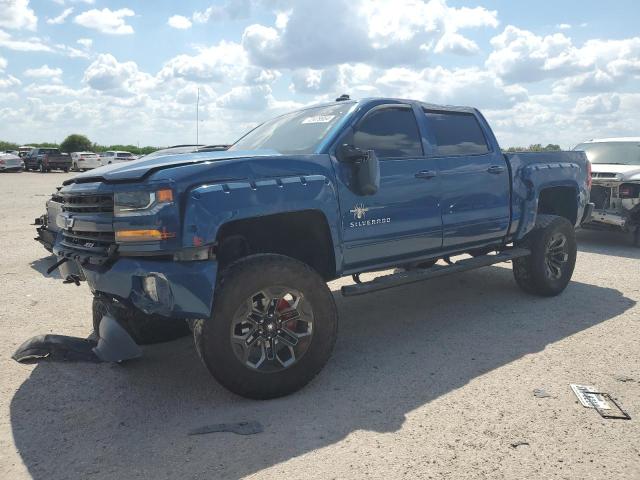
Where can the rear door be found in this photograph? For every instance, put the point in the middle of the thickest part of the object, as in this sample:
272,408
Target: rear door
403,218
474,178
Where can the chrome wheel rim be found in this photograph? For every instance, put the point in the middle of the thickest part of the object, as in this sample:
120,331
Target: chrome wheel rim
556,256
272,329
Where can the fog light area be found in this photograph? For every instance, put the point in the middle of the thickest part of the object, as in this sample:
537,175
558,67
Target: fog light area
157,288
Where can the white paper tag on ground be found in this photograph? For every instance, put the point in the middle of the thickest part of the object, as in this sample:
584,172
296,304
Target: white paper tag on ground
319,119
589,401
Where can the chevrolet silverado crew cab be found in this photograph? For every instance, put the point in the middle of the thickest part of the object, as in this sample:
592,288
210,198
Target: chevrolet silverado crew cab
47,159
616,184
241,243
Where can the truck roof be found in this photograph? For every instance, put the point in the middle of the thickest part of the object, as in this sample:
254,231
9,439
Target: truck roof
430,106
614,139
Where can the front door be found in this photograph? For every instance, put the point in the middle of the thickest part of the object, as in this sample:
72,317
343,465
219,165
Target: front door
402,219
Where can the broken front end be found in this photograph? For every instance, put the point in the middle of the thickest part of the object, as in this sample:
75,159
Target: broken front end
617,204
125,242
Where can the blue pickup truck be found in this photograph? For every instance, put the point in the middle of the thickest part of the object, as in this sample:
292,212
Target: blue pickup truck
241,243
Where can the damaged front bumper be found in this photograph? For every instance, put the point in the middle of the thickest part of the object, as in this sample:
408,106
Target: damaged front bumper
173,289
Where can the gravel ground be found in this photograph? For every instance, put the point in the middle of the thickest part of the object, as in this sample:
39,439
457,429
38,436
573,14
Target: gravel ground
433,380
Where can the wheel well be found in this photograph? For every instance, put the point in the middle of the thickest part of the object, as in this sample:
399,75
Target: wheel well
301,235
561,201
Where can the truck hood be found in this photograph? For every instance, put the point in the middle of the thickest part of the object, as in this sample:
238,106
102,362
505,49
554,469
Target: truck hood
616,172
137,169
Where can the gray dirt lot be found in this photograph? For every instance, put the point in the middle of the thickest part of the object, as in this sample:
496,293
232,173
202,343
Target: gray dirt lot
433,380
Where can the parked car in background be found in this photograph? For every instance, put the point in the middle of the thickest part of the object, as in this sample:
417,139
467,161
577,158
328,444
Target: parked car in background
616,184
10,163
116,156
22,151
81,161
47,159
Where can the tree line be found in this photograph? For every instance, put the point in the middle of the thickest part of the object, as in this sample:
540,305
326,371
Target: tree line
537,147
80,143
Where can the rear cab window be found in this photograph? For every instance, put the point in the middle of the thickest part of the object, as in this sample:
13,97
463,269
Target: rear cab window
391,132
456,133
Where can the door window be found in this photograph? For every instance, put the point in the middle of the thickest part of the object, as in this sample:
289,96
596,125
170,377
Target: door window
390,132
456,133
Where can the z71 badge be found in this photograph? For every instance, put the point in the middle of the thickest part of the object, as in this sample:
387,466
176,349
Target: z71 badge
359,212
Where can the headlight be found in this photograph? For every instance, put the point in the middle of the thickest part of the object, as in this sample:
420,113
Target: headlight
140,202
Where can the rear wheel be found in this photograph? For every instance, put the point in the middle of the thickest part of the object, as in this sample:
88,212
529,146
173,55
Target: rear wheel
144,329
549,268
273,327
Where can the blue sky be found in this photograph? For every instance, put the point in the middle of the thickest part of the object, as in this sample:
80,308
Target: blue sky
128,71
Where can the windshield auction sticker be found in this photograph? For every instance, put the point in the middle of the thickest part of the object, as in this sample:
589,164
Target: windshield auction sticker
319,119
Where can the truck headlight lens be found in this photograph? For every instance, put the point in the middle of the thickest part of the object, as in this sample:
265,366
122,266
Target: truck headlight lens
140,202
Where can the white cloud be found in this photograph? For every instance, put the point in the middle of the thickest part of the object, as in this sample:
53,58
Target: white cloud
33,44
107,75
520,56
60,18
218,63
598,104
85,42
179,22
112,22
3,63
229,10
8,81
455,43
317,34
44,72
53,75
17,14
563,26
246,98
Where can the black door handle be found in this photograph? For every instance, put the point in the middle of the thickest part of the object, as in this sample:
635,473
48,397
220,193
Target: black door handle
426,174
495,169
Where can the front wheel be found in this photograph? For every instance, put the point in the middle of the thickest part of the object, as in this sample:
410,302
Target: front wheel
549,268
273,327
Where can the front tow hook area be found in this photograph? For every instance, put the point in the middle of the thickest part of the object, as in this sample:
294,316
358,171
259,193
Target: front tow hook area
113,344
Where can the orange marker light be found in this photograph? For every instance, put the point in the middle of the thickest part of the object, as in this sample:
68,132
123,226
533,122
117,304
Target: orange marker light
142,235
164,196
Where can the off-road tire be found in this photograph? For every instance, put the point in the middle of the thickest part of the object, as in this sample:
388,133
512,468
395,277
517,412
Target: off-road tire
239,282
144,329
530,272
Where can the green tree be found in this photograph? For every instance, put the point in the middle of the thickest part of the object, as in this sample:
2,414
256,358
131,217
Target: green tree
75,143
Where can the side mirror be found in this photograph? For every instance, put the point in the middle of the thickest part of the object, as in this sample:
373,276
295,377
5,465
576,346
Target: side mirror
368,174
350,154
365,168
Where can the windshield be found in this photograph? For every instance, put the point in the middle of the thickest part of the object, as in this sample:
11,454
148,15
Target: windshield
615,153
294,133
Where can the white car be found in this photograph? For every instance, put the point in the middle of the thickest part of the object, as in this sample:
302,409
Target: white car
10,163
81,161
116,156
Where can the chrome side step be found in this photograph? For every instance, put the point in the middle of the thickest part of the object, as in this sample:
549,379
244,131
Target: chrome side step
418,275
